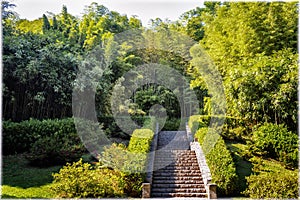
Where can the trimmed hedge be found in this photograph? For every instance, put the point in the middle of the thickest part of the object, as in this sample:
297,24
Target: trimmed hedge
140,141
19,137
279,185
220,162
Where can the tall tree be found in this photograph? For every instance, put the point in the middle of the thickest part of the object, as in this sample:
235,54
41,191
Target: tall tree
46,24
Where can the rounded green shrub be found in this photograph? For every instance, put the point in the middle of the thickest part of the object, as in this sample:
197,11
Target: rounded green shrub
278,185
81,180
131,165
277,142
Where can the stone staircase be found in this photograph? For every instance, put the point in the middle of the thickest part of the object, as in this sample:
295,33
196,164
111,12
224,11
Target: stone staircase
176,170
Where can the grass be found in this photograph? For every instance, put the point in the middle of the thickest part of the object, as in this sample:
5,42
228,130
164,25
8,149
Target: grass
19,180
243,166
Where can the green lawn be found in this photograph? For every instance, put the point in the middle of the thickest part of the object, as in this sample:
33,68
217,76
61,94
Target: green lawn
19,180
243,166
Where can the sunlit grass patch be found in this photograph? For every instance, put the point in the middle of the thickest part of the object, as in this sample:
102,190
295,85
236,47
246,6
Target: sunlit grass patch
32,192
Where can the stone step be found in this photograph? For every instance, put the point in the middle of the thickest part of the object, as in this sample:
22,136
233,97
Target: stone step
178,190
175,178
176,163
176,159
176,171
161,159
177,151
200,195
167,173
174,167
175,154
162,185
165,181
164,148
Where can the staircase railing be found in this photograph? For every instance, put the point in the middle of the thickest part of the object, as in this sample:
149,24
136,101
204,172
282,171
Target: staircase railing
146,187
210,187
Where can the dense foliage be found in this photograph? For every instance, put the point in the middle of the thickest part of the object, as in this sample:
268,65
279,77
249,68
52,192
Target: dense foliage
60,148
247,50
81,180
275,141
198,121
256,53
20,137
120,171
220,163
270,180
254,47
281,185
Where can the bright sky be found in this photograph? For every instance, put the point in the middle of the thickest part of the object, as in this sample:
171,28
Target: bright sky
144,9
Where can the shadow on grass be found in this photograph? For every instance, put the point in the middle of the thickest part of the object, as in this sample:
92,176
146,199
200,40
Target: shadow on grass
5,196
243,167
17,173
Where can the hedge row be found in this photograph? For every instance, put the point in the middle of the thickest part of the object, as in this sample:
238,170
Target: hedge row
19,137
219,160
140,141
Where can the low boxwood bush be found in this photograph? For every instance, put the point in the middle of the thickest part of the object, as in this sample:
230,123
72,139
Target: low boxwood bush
277,142
275,185
131,165
130,161
120,171
140,141
219,160
82,180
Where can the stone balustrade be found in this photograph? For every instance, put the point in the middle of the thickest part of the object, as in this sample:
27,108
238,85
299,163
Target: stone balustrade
205,171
